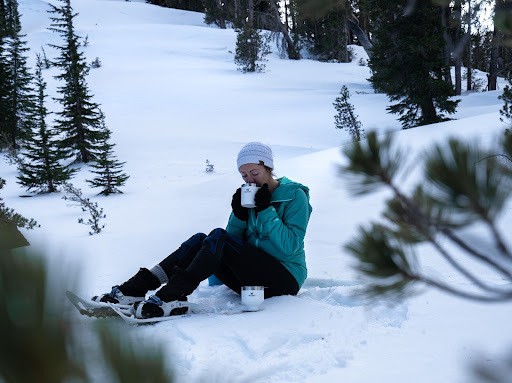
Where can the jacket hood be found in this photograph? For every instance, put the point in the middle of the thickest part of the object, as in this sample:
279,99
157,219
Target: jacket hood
286,190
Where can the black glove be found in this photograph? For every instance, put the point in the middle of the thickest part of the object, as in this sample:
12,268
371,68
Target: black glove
262,198
240,212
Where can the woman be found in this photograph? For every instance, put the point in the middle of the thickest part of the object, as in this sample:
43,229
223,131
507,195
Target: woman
261,246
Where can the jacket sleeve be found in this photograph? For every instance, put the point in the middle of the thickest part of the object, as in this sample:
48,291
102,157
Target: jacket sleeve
236,226
286,233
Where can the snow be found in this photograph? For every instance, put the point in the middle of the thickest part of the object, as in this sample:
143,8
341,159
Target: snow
173,98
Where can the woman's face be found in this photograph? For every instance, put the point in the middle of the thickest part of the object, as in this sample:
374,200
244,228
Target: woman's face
254,173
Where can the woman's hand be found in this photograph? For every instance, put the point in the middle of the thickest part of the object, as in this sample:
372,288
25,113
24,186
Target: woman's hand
240,212
262,198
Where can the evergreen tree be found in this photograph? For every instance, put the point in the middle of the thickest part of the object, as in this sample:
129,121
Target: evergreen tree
251,46
79,120
247,44
506,96
107,168
346,118
15,78
221,12
266,15
40,167
408,63
322,26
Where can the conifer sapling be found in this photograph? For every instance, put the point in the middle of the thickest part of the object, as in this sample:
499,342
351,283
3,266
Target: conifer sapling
346,118
108,170
40,165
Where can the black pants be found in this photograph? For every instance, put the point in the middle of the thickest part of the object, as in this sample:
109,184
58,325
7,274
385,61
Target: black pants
233,261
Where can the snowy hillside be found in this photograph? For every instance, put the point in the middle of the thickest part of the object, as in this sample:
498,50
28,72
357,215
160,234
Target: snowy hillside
173,98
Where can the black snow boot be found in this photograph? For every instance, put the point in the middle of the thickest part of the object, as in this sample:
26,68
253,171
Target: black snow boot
133,290
167,300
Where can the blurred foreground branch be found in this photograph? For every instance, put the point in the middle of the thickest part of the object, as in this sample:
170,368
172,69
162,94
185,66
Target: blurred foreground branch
42,342
463,185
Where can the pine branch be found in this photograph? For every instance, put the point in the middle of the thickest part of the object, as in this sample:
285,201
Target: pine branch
462,270
471,251
42,340
420,218
412,215
501,297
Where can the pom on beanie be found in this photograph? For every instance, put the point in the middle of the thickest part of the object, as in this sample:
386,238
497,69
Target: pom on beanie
253,153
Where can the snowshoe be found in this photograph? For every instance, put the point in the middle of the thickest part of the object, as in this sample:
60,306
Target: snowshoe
95,309
154,307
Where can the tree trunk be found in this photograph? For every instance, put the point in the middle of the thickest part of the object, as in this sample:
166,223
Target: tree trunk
469,83
492,78
354,27
428,111
222,21
290,48
493,61
343,33
236,15
457,15
250,12
448,42
458,75
286,20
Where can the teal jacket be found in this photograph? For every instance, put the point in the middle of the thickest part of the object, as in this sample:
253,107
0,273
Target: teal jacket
279,230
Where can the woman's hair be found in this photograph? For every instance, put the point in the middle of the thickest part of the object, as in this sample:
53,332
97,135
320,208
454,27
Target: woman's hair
269,169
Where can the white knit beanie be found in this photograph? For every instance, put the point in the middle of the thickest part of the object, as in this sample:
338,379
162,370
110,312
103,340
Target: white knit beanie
253,153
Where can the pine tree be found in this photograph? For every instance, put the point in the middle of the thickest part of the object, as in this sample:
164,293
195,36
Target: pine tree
322,28
79,119
108,169
15,78
408,63
251,47
346,118
40,166
506,96
216,12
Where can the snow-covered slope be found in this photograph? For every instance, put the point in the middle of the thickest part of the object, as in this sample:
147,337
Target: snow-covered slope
173,98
